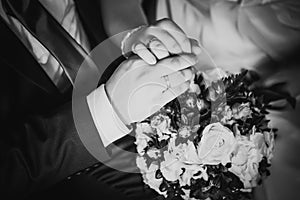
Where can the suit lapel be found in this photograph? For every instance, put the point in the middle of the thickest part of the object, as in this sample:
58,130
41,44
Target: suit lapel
90,15
149,8
18,57
21,60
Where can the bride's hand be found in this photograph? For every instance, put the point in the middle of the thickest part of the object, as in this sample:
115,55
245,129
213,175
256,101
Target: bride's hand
158,41
137,89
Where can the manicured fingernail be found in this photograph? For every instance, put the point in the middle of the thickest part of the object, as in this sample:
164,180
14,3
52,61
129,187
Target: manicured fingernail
152,61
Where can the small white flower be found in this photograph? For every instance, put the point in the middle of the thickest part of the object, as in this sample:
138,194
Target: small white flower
200,104
227,114
154,153
194,88
240,111
191,102
245,161
161,123
141,139
171,168
184,131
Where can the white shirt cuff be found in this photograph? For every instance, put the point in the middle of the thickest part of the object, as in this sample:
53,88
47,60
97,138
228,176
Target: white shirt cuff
108,124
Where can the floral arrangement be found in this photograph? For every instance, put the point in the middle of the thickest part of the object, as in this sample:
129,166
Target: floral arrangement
212,142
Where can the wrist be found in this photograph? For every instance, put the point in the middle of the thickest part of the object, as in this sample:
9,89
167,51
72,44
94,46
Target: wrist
108,123
117,109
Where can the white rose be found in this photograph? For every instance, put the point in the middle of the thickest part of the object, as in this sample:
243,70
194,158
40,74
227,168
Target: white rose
245,162
216,145
258,140
171,168
264,142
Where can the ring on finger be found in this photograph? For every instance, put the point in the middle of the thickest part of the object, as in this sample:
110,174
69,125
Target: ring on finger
151,40
168,85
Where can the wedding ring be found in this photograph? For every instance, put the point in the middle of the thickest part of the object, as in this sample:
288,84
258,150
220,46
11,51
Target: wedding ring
151,40
166,78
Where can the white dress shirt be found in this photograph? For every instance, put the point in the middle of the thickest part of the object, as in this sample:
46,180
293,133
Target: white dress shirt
109,125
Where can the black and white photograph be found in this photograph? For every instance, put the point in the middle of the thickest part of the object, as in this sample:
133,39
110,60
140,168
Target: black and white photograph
150,99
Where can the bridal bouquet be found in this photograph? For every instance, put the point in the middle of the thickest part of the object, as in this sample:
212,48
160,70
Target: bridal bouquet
212,142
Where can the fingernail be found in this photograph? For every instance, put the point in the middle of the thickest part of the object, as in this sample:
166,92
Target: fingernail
152,61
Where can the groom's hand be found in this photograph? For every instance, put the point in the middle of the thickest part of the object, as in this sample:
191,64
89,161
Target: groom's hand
137,89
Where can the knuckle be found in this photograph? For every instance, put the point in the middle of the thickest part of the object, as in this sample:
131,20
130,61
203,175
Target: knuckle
160,50
174,45
175,61
157,44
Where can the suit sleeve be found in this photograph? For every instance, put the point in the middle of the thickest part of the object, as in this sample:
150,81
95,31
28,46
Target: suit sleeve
43,150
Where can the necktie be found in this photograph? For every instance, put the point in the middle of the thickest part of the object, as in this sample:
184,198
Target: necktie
39,22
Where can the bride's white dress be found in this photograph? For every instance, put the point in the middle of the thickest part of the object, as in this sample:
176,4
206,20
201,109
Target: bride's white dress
232,48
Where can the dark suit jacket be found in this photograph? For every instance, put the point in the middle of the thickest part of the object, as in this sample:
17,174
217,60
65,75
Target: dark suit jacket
39,143
25,87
